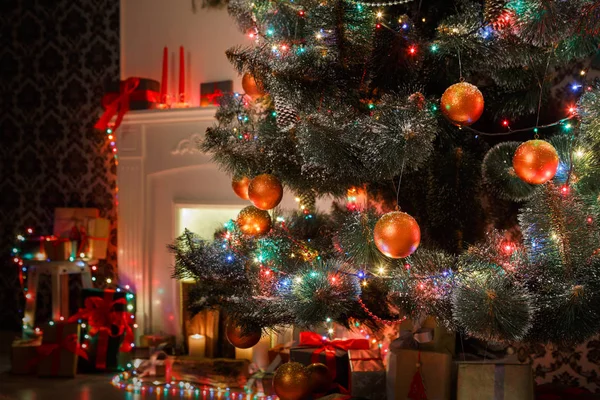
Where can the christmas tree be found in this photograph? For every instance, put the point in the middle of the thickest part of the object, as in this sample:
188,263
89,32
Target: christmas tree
461,139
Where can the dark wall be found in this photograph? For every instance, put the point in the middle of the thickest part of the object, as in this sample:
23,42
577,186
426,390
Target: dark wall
55,58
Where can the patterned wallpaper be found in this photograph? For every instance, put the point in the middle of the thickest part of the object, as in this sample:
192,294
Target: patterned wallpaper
55,58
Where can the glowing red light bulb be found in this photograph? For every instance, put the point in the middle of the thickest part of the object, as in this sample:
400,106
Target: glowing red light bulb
505,123
412,50
565,189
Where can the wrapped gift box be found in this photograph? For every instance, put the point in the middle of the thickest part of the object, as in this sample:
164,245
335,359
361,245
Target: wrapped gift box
145,96
217,372
428,335
436,371
86,227
157,339
108,326
59,249
210,93
23,352
314,349
60,350
367,374
281,350
159,364
494,381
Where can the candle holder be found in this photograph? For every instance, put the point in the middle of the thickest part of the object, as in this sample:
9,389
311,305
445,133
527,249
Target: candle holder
165,102
181,103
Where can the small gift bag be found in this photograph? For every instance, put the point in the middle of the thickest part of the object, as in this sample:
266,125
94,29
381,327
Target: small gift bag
494,381
413,373
59,351
333,353
367,374
23,352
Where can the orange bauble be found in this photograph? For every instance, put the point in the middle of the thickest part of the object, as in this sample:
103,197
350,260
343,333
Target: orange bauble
240,186
319,377
291,381
265,191
536,161
253,222
240,338
462,104
397,234
251,87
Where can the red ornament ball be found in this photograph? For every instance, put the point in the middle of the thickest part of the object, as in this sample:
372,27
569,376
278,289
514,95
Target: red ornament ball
462,104
536,162
253,222
265,191
397,234
291,381
240,186
240,338
252,87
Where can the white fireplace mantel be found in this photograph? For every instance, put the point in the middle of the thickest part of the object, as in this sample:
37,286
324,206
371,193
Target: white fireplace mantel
161,170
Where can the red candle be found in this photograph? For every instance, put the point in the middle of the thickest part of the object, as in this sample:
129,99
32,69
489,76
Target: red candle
181,75
165,76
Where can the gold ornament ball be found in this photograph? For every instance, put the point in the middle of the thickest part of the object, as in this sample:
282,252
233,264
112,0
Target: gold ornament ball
241,339
291,381
397,234
536,161
240,186
253,222
251,86
319,377
265,191
462,104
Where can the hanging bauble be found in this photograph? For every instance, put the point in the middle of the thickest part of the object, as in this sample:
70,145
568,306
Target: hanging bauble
290,381
253,222
242,339
319,378
265,191
252,87
493,10
462,104
418,100
397,234
240,186
499,174
536,161
286,115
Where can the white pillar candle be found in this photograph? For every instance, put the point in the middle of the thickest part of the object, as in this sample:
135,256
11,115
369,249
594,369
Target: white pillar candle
197,345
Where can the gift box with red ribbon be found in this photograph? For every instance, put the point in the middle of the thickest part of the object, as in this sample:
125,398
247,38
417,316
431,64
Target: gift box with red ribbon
108,325
84,226
59,249
60,350
130,94
367,374
211,93
22,354
315,348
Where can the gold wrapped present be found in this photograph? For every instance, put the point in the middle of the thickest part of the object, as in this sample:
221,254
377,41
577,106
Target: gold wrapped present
494,381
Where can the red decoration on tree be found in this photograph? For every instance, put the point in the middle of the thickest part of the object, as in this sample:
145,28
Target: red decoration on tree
417,389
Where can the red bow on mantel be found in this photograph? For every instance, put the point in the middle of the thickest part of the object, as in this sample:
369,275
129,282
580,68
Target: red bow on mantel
102,318
117,105
328,347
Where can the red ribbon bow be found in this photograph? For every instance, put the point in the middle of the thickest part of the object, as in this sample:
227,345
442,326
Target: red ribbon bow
118,104
329,346
212,97
101,317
